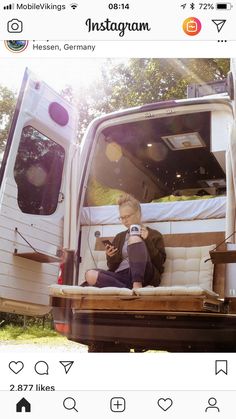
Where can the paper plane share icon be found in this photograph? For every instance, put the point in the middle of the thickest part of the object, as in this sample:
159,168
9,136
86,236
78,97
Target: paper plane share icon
219,23
67,365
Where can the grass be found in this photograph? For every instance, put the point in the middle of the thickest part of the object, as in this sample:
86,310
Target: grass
16,335
31,334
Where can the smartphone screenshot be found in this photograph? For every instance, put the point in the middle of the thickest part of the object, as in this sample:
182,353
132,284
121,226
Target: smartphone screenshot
117,209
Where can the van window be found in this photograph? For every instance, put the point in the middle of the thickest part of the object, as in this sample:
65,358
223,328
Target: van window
166,158
38,172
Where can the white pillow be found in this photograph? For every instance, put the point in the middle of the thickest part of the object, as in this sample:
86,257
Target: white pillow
76,290
186,266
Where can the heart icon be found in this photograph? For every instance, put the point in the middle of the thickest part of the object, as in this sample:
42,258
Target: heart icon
164,404
16,367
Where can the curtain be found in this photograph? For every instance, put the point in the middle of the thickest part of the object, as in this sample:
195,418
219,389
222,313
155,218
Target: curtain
231,187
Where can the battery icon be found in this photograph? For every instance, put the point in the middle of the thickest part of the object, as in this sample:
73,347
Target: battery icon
224,6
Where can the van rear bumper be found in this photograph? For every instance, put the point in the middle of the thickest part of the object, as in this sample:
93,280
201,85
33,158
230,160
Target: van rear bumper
170,331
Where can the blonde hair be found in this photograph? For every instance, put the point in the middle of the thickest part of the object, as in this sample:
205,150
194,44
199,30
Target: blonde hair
127,199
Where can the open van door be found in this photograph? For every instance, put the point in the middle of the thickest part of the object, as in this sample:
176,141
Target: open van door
34,196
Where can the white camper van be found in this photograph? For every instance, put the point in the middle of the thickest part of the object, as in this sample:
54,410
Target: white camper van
57,204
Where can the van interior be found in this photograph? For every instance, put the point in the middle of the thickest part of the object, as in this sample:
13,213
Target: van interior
154,159
157,160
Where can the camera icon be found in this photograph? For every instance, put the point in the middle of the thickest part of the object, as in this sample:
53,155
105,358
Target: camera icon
15,26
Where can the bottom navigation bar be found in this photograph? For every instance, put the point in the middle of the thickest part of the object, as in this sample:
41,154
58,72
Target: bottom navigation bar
129,404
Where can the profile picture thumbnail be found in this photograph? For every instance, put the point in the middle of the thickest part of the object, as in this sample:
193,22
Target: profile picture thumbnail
16,45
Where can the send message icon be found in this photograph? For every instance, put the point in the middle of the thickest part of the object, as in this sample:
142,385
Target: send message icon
192,26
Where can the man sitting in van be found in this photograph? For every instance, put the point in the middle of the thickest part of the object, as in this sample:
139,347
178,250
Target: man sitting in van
136,256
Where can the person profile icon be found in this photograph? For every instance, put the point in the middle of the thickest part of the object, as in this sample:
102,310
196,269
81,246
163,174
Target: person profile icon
212,404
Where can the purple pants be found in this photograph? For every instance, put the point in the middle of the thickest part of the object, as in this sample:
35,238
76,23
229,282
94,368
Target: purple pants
140,270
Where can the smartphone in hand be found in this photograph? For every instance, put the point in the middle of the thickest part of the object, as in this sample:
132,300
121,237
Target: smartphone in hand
107,242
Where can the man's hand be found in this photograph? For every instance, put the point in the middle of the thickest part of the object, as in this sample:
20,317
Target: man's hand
144,232
111,250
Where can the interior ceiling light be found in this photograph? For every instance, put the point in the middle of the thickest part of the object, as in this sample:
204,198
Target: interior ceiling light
184,141
149,145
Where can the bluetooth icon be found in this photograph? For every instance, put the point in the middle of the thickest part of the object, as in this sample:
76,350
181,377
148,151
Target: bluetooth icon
192,6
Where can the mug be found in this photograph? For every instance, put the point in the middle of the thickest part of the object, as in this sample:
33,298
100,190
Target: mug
135,230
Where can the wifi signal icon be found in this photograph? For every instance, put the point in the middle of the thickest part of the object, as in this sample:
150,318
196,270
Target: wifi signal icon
73,5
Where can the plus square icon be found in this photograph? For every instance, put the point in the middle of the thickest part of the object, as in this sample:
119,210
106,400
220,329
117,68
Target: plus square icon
117,404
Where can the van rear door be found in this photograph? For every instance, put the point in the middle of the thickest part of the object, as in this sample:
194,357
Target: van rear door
34,196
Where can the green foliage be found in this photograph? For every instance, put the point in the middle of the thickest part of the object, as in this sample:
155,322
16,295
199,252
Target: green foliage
7,104
24,329
134,82
143,81
173,198
139,81
17,320
101,195
12,332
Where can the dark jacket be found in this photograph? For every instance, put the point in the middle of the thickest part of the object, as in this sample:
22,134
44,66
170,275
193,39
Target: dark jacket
156,250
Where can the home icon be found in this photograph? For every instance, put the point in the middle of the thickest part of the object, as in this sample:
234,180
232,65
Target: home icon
23,406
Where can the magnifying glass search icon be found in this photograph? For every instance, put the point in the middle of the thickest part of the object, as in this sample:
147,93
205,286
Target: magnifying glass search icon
69,404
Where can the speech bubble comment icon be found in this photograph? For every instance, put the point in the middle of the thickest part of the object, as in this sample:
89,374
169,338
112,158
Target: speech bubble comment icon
41,368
